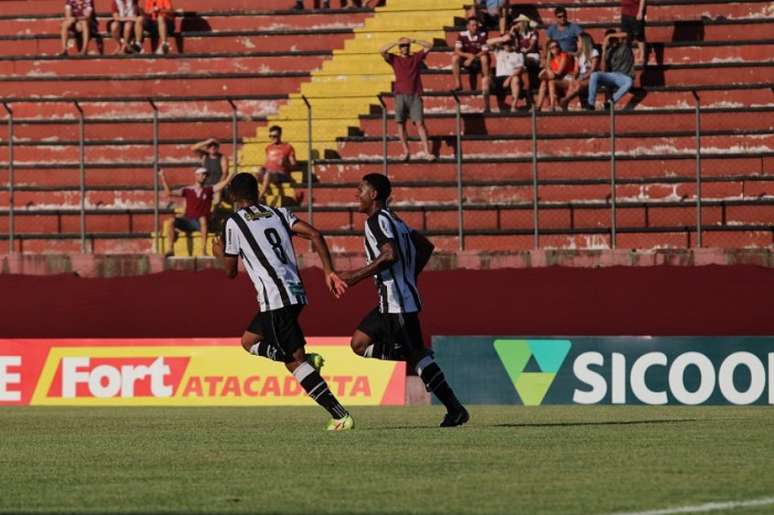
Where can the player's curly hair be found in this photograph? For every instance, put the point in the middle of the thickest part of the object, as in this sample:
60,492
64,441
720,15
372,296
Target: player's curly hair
381,184
244,186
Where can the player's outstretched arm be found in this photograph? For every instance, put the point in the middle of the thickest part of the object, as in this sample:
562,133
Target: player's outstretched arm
387,256
335,284
424,250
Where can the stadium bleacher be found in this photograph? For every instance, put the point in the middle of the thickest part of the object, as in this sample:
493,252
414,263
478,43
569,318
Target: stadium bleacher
263,60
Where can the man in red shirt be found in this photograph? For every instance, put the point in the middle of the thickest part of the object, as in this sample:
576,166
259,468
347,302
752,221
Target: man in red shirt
198,204
280,159
633,23
407,90
79,17
472,54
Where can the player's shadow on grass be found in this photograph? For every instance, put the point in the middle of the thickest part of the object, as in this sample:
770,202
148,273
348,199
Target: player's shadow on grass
607,423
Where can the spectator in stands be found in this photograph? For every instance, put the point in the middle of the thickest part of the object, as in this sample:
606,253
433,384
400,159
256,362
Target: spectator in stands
509,67
280,160
617,68
633,23
345,4
564,32
526,37
125,23
472,55
554,76
213,161
492,13
586,62
198,204
407,90
79,17
159,21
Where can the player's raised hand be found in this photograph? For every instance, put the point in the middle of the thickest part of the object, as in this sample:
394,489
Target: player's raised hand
336,284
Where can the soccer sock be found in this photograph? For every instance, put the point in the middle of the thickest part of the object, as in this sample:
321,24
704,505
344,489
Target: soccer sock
378,350
435,382
316,387
267,350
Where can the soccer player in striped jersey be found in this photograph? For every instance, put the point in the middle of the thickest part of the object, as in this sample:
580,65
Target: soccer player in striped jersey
396,255
261,236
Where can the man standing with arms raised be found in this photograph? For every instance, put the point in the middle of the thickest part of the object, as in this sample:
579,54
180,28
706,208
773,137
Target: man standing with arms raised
407,90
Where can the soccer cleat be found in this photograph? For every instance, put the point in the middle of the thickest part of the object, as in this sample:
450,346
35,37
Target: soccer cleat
456,418
315,360
341,424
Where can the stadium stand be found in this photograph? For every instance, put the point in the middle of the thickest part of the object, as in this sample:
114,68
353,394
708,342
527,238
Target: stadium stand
262,61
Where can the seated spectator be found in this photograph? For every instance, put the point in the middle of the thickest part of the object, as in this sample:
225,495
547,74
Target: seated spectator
159,21
79,17
633,23
586,62
508,69
280,160
617,68
345,4
526,38
213,161
472,55
564,32
198,204
555,75
492,13
407,90
125,23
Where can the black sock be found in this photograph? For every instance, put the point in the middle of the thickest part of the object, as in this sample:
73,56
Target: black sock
267,350
316,387
388,352
435,382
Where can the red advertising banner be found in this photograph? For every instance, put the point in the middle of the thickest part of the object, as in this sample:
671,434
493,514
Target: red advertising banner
182,372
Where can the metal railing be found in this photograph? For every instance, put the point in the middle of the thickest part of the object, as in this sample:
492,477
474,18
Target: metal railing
463,207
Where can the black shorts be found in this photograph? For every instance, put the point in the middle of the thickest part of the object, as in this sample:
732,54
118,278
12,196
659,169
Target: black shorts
634,27
280,328
400,329
187,224
474,67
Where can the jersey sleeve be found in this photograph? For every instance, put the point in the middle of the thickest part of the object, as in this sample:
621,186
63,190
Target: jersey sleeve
380,228
231,245
287,216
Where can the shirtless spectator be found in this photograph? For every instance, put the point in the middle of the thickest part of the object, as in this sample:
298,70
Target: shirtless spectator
280,160
472,55
564,32
408,90
79,17
159,20
125,23
213,161
198,204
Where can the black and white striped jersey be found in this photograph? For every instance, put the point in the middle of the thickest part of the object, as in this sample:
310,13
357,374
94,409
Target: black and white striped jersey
397,285
262,236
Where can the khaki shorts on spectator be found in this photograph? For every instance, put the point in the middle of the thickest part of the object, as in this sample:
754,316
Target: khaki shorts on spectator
410,105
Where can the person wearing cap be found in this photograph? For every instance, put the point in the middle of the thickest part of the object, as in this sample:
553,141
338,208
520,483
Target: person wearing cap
407,90
198,204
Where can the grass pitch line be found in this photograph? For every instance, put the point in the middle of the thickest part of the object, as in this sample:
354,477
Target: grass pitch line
703,508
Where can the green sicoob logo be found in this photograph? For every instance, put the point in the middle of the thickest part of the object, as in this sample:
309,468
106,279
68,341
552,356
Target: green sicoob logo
532,365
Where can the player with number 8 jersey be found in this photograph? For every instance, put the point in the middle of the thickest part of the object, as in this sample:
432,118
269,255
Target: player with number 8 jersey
262,236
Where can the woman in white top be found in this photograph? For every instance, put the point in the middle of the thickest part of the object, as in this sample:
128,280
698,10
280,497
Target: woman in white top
126,16
586,61
509,67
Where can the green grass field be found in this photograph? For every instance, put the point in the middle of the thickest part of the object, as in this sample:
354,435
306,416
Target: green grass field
278,460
